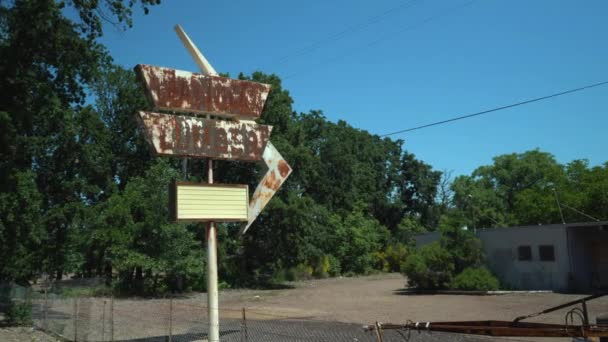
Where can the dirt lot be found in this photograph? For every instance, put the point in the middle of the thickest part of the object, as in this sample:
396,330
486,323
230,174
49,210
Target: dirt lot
292,312
377,298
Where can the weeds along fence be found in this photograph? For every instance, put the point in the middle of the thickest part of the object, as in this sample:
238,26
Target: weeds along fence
182,319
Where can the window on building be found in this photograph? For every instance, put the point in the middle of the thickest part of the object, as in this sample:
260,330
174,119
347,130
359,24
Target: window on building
524,253
546,253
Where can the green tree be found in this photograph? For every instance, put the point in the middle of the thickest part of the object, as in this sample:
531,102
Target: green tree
357,238
525,189
131,235
47,61
418,189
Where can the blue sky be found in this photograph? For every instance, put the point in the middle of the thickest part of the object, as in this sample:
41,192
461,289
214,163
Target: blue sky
403,63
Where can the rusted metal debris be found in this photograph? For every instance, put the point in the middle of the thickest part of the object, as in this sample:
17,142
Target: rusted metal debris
515,328
501,328
177,135
278,171
183,91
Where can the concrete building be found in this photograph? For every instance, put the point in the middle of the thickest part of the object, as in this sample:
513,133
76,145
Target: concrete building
561,257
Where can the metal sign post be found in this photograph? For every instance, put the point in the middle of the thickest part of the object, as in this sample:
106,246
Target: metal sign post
237,137
212,292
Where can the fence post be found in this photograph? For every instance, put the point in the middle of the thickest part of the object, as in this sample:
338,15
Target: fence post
170,319
45,304
379,332
75,319
103,322
112,318
244,336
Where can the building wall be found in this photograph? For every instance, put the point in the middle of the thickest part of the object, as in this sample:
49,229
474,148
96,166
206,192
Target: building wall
501,248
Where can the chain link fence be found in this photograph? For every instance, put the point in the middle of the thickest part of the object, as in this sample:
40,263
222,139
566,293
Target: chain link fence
185,320
182,320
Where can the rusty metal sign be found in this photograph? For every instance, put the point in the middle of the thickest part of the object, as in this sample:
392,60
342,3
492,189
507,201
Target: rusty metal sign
195,137
186,136
176,90
278,171
190,136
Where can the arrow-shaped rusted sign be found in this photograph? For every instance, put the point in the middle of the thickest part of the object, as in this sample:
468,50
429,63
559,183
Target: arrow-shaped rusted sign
278,171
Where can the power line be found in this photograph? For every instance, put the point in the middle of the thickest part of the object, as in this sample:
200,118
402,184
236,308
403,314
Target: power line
498,108
351,29
580,212
389,35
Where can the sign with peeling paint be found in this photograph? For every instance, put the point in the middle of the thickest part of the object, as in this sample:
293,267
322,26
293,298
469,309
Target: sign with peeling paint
278,171
237,138
187,136
208,202
183,91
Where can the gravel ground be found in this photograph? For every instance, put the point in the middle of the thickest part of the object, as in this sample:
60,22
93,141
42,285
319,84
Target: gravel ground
378,298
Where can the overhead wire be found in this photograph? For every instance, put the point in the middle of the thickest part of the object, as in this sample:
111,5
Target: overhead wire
349,30
389,35
542,98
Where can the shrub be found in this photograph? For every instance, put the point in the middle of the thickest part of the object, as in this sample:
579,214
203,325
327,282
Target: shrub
19,312
464,246
429,268
300,272
326,266
472,279
334,266
395,256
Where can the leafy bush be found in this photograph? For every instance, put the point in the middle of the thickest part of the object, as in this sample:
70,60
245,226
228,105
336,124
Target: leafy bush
19,312
480,279
359,238
392,258
458,250
429,268
334,266
326,266
395,255
463,245
407,229
300,272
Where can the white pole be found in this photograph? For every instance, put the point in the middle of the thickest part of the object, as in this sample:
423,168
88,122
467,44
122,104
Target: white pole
199,58
212,292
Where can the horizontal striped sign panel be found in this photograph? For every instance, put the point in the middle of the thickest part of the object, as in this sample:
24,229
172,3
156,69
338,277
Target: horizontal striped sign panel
209,202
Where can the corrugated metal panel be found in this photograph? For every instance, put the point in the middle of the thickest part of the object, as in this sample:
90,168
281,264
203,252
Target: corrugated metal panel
206,202
184,91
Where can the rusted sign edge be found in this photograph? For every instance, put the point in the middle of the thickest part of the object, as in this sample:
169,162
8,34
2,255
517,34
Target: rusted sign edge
278,171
